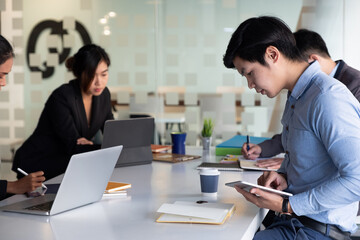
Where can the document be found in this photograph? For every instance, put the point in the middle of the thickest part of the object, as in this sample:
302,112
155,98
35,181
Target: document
192,212
251,164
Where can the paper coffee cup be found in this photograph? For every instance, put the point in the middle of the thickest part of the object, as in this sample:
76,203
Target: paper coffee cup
209,179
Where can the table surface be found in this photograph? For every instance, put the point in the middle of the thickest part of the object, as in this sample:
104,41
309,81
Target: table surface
133,216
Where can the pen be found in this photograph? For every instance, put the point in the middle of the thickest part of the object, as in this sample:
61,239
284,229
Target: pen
247,143
25,174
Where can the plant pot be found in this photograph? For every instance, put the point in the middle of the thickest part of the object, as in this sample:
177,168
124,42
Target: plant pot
206,142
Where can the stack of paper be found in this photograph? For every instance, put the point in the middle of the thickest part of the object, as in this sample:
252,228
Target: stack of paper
116,189
192,212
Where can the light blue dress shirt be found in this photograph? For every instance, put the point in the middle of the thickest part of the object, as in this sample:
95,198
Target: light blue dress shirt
321,139
332,74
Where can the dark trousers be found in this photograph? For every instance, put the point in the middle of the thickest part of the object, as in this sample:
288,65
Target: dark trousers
284,228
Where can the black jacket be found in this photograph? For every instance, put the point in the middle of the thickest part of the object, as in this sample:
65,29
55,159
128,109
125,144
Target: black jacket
61,123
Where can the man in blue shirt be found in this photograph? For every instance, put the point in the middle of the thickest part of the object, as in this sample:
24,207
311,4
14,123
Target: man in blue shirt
320,135
313,48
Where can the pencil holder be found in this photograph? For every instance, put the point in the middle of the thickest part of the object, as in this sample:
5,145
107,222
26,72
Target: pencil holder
206,142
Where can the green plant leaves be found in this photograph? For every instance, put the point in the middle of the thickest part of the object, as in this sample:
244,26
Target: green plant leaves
208,127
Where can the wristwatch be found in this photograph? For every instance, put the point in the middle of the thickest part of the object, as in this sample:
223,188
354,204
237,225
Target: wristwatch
285,202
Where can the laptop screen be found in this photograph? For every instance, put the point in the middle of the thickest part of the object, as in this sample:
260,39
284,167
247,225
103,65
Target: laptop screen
135,135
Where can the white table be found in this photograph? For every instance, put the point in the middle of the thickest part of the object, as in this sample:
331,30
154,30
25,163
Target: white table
133,217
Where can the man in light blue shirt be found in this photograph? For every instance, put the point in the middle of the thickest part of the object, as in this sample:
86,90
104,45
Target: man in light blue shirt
313,48
321,135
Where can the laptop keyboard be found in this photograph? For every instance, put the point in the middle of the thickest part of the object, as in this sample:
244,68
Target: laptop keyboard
41,207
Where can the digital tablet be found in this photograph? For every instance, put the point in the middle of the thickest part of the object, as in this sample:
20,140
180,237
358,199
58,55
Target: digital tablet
247,186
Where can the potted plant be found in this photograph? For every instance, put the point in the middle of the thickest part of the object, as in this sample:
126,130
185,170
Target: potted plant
206,133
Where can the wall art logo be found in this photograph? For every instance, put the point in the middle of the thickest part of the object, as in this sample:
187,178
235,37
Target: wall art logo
56,28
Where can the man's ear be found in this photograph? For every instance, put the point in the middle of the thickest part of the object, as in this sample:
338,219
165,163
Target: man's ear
272,53
313,57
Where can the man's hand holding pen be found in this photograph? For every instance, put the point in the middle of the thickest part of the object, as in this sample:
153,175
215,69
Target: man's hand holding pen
253,152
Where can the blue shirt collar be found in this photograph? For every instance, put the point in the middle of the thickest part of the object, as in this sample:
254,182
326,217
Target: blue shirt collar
332,74
305,80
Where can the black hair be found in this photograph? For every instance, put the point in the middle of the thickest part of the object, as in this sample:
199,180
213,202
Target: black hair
6,50
309,42
84,63
254,35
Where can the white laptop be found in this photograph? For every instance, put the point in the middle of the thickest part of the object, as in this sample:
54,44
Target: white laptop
84,182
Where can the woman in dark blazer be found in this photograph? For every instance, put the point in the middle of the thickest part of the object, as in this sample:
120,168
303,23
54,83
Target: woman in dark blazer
72,116
33,180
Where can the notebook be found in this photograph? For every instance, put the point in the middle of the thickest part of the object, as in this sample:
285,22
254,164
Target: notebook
160,148
135,135
251,164
173,157
84,182
221,166
192,212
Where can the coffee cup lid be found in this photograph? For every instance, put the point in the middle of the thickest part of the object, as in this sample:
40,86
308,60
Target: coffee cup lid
209,171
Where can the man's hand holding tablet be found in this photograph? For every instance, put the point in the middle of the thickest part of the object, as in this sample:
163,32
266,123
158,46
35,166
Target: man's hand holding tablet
248,186
266,197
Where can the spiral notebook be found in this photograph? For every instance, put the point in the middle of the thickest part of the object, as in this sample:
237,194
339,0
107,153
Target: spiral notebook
221,166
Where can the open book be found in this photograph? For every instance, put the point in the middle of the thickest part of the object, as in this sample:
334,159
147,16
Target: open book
192,212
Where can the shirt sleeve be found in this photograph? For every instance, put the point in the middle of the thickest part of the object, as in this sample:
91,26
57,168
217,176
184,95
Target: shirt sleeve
335,121
271,147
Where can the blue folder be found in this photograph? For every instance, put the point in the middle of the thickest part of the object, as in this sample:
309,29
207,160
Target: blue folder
234,144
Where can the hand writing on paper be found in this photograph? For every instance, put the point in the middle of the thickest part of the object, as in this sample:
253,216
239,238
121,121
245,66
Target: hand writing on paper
252,153
271,163
26,184
84,141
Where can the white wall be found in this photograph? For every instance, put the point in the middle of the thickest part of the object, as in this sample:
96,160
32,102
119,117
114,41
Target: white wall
351,33
157,43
